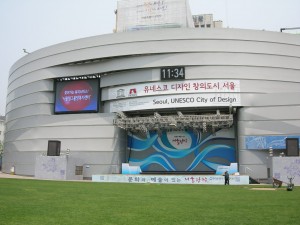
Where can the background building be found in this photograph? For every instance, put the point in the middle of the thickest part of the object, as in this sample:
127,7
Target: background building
136,15
206,21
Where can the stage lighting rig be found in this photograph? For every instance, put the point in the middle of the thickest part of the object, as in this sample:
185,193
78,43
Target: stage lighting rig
179,121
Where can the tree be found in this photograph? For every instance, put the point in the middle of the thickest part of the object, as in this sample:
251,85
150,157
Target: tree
1,149
1,152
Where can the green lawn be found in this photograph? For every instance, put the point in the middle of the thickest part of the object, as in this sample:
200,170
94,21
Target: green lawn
26,202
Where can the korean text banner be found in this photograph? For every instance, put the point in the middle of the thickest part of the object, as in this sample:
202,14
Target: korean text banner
174,87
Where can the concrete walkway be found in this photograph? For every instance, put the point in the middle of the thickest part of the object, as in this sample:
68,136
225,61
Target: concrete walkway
10,176
6,175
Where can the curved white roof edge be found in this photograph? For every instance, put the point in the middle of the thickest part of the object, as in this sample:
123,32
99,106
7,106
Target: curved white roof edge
159,35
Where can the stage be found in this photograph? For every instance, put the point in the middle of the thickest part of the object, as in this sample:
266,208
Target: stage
171,179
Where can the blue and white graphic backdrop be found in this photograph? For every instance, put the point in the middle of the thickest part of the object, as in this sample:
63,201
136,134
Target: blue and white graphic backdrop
182,151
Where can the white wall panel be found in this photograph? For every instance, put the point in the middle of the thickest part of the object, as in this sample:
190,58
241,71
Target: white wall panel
94,119
31,99
61,132
276,127
242,72
82,144
38,86
290,112
30,110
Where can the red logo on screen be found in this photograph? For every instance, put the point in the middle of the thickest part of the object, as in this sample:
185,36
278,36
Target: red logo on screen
76,95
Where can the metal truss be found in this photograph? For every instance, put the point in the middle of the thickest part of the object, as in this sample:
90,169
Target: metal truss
157,122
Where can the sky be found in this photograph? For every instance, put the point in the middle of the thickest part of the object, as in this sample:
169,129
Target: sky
35,24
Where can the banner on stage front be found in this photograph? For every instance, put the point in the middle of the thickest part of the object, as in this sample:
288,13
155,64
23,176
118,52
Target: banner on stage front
171,179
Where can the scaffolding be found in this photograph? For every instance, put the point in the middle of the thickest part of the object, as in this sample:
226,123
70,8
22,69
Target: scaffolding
157,122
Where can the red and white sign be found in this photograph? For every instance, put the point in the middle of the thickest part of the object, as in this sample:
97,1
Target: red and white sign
174,87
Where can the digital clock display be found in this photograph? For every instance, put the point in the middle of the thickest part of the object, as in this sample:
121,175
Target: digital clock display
172,73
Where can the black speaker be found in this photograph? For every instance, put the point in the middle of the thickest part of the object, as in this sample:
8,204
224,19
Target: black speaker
292,146
53,148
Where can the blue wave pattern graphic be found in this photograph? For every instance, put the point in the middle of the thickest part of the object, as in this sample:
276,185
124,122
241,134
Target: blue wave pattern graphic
192,149
264,142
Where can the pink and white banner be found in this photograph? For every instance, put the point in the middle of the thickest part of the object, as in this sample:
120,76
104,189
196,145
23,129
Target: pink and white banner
174,87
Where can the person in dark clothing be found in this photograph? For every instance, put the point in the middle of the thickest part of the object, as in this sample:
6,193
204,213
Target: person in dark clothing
226,175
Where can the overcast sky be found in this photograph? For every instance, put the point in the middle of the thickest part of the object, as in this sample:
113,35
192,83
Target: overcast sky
35,24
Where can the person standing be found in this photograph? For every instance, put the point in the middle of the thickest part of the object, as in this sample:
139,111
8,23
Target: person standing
226,175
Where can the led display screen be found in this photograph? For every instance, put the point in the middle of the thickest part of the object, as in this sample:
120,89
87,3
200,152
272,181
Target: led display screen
77,96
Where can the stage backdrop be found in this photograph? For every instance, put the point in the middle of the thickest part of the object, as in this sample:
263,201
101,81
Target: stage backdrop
182,151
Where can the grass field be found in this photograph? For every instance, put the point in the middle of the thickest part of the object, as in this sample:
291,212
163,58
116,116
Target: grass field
28,202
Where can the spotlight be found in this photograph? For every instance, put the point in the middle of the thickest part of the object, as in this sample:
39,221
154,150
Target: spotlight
173,122
204,127
180,114
157,115
121,115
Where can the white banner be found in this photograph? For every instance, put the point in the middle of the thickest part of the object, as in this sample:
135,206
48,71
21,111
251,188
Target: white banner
171,179
285,168
176,101
175,87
